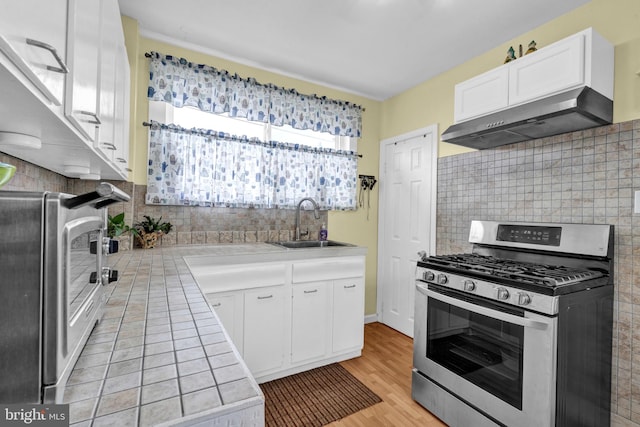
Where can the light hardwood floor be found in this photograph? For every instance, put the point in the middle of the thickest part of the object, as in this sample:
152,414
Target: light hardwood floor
385,367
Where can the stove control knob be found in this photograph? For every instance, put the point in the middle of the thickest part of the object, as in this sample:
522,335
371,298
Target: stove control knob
442,279
503,294
109,246
523,298
469,285
428,276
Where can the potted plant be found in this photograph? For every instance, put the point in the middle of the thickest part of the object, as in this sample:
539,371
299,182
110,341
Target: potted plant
150,229
117,229
116,226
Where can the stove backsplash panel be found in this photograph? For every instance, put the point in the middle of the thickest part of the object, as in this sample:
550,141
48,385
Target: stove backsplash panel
581,177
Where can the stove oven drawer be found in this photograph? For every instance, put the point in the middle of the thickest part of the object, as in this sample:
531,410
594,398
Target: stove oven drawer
444,405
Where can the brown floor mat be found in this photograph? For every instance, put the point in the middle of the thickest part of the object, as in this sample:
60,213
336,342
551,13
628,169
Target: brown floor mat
315,398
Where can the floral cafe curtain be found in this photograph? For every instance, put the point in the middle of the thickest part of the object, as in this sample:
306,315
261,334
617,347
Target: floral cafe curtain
200,167
182,83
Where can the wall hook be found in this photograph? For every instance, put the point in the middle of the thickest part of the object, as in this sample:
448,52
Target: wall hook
366,184
367,181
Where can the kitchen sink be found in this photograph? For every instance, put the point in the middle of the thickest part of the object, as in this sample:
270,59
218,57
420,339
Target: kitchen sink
298,244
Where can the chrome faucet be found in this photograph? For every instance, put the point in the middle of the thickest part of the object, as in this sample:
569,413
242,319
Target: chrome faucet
316,214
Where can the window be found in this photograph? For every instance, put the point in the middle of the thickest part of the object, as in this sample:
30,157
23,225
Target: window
202,167
189,118
218,139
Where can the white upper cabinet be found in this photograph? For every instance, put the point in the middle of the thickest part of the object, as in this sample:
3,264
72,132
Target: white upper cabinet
83,58
486,92
122,109
106,102
65,80
114,87
554,69
38,50
583,59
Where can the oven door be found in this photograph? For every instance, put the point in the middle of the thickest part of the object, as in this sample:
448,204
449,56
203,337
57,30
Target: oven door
73,292
499,359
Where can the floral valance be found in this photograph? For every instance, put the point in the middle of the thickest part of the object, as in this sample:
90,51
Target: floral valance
199,167
183,83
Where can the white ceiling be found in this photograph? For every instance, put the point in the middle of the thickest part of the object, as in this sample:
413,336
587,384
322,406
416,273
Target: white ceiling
373,48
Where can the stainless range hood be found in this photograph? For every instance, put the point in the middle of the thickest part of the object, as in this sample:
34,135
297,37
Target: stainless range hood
569,111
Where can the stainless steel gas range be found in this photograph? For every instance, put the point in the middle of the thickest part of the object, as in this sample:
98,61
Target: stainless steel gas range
518,332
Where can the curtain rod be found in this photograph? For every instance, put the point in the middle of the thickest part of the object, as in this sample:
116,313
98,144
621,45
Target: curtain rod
209,133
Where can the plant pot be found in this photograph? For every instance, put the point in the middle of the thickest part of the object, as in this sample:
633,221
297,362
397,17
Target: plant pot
148,240
124,242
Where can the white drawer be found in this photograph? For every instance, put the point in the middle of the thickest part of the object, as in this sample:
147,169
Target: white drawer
327,269
239,276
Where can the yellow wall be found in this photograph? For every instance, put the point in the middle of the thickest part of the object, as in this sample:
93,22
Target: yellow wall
353,227
431,102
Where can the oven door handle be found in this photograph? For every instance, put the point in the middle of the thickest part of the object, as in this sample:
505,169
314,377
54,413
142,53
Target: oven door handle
506,317
104,195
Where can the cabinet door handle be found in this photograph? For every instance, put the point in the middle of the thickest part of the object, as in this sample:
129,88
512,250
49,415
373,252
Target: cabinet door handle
63,67
109,146
121,160
311,292
218,304
266,297
349,286
96,119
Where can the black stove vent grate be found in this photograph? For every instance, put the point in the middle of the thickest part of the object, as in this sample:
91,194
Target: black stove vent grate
519,271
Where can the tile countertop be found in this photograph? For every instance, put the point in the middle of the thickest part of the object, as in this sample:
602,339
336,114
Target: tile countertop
160,356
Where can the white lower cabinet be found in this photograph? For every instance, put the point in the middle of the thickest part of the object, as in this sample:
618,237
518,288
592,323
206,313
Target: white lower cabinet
264,329
348,314
287,317
255,320
310,321
230,310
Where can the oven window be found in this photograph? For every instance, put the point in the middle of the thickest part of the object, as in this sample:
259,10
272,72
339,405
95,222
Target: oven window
82,263
481,349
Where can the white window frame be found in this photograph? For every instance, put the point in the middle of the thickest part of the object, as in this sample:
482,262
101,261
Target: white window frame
166,113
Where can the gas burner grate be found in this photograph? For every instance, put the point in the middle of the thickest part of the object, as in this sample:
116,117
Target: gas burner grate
519,271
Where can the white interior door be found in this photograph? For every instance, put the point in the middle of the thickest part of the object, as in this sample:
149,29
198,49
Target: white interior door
408,175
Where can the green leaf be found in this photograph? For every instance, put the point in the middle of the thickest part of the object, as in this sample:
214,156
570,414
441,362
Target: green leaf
118,218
